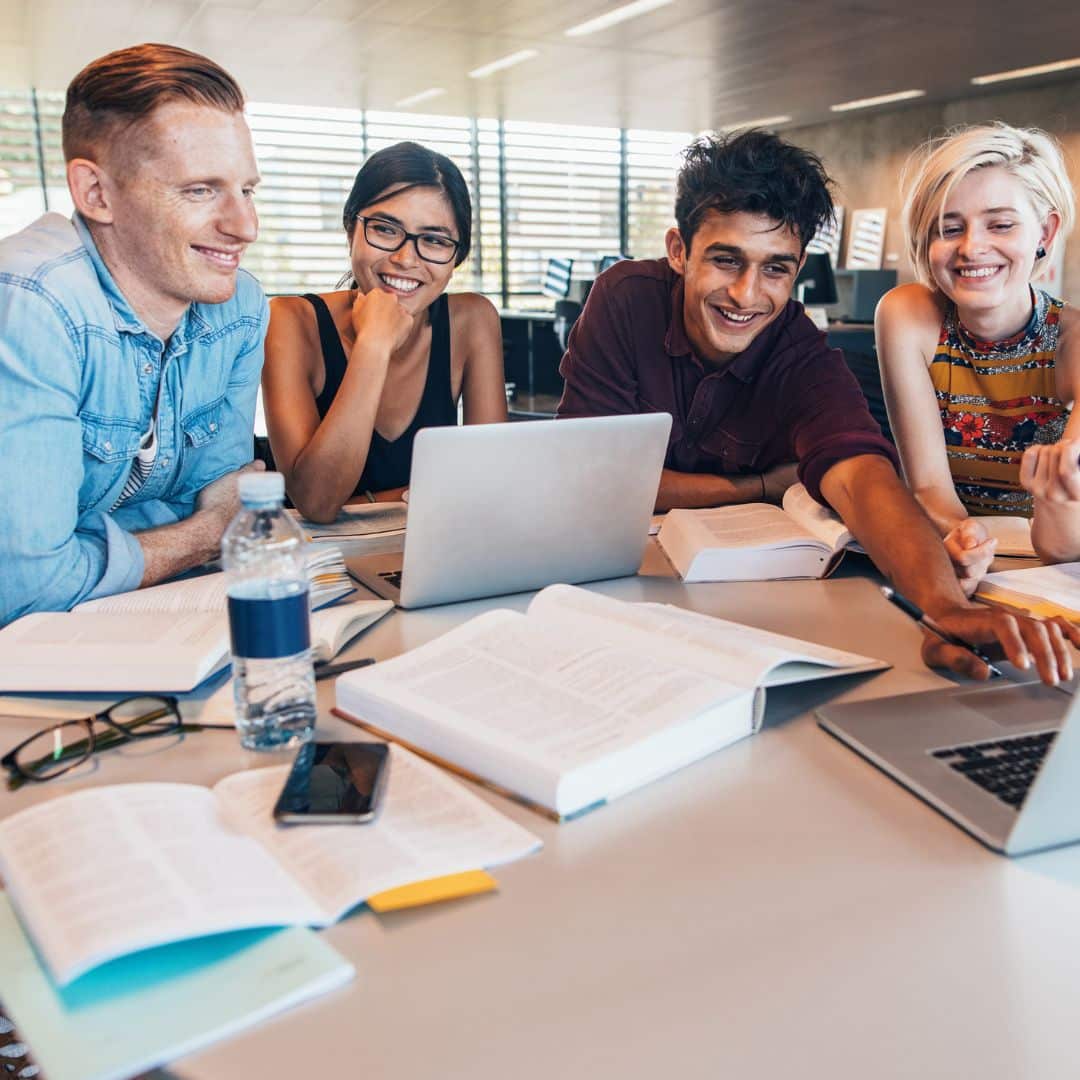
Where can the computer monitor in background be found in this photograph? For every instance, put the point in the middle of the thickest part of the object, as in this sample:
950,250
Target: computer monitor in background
815,286
607,261
556,280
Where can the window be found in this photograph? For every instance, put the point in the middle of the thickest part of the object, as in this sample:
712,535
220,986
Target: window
539,191
653,159
29,184
562,201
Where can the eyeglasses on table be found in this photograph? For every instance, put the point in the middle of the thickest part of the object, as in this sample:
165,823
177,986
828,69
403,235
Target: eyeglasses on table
62,746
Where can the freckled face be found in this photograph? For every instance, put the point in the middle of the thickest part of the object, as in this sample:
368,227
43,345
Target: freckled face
983,256
416,282
737,275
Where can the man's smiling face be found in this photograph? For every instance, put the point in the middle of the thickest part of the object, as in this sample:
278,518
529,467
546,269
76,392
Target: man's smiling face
738,275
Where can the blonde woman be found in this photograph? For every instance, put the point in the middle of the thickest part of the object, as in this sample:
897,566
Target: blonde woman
980,368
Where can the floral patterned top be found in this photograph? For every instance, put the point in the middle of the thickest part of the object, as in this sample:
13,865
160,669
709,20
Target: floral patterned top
997,398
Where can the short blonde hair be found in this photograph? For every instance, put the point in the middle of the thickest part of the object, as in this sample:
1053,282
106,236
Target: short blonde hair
931,173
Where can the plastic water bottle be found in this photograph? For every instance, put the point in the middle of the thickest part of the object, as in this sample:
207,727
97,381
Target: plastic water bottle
273,679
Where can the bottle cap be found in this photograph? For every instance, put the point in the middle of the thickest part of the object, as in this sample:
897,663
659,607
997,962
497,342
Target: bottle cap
261,487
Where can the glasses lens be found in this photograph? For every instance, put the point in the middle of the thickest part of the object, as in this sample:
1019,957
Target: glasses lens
141,716
383,234
436,248
55,750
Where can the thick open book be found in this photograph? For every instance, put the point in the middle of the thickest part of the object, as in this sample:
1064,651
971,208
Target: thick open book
1042,590
108,871
803,539
584,697
755,541
165,639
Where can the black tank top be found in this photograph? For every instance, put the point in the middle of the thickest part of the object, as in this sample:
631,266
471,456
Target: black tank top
388,463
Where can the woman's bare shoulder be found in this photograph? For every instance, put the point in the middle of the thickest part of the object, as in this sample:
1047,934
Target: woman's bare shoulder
913,304
473,317
471,307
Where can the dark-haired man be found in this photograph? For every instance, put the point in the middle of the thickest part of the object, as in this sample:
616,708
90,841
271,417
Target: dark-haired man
130,344
712,336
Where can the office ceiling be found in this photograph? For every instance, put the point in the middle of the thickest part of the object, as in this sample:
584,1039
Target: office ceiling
687,66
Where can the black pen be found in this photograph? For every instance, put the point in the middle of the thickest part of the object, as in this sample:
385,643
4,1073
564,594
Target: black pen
924,620
328,671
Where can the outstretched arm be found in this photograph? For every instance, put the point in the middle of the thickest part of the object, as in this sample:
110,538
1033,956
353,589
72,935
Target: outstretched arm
884,517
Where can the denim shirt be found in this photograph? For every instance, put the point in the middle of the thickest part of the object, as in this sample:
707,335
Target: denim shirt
79,372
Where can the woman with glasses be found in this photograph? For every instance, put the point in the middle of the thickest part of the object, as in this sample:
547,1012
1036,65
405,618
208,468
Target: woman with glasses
351,376
980,368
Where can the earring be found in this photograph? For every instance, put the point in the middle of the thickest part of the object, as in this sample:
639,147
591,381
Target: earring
1040,252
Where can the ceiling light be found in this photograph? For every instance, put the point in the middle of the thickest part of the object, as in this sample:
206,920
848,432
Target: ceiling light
764,122
884,99
502,63
614,16
1023,73
415,99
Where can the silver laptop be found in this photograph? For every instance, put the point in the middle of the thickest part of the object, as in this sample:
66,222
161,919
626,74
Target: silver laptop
1002,761
503,508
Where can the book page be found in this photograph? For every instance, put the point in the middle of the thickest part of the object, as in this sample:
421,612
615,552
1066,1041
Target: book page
208,593
513,700
744,654
1045,589
428,825
815,518
107,871
752,525
82,651
357,519
1013,535
204,594
333,627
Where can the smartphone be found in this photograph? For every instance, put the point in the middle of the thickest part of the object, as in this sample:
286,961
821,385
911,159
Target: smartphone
333,783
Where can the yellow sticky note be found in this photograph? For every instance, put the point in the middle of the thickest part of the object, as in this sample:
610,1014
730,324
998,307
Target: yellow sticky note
433,890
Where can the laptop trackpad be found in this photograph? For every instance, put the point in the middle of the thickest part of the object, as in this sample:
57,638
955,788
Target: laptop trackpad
1017,706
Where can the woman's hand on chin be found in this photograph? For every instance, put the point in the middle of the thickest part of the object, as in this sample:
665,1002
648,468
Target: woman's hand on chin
379,318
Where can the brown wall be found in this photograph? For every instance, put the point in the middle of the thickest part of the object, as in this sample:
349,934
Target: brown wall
866,153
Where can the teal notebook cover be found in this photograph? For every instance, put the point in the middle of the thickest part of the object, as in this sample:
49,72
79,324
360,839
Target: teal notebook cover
144,1010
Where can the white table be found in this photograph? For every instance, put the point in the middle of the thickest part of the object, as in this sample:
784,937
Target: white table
781,909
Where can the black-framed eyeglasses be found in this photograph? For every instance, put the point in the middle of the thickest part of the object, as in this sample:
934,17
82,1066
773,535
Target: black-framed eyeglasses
430,246
62,746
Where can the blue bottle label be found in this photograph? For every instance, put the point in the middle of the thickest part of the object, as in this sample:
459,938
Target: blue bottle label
267,629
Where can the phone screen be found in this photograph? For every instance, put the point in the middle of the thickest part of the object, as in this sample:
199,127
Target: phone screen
334,782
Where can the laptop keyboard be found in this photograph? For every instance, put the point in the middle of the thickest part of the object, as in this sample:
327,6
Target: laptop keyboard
392,576
1004,767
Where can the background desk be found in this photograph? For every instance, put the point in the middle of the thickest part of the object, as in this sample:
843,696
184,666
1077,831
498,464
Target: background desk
778,910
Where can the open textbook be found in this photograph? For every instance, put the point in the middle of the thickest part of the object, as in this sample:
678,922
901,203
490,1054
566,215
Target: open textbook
584,697
165,639
755,541
1042,590
801,539
177,861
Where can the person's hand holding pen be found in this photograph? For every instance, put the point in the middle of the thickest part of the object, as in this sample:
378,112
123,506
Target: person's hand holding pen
968,639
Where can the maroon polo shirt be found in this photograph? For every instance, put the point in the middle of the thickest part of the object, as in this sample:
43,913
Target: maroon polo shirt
788,397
